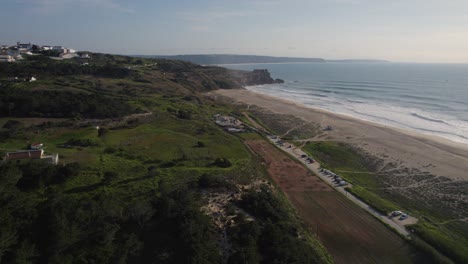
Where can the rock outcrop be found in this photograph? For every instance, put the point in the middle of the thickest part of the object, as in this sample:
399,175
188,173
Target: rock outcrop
255,77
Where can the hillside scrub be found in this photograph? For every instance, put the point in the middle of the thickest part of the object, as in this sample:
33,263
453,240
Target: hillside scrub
131,191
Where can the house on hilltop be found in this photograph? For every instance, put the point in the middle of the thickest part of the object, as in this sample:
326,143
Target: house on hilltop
33,154
24,46
24,154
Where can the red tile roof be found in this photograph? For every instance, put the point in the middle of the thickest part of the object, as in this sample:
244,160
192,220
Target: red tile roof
28,154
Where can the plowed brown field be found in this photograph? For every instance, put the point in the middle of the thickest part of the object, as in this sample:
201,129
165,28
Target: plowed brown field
348,232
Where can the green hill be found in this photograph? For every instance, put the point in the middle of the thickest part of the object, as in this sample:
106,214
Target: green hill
145,175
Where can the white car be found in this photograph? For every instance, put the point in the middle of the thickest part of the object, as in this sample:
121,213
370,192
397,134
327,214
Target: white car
396,213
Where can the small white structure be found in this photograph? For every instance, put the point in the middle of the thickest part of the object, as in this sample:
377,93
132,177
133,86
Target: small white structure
33,79
6,58
37,146
68,55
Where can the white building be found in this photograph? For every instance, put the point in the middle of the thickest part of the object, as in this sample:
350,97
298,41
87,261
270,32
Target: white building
6,58
16,54
24,47
68,55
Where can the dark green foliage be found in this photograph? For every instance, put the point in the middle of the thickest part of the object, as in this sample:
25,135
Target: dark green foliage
80,142
45,54
109,176
37,174
102,132
272,237
184,233
211,181
444,244
100,227
43,66
263,205
26,103
13,124
9,177
200,144
184,114
243,237
222,163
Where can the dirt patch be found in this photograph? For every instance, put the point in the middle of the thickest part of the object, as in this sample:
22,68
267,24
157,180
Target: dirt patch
348,232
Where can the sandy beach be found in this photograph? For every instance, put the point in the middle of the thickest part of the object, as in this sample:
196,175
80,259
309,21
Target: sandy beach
401,148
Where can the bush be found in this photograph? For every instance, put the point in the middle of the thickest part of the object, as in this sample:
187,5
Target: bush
211,181
82,142
222,163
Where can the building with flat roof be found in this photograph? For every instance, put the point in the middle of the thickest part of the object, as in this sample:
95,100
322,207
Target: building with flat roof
25,154
33,154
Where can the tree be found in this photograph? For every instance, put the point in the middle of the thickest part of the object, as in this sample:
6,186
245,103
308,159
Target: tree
102,132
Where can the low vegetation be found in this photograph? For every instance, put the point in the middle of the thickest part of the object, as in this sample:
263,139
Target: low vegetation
139,155
360,170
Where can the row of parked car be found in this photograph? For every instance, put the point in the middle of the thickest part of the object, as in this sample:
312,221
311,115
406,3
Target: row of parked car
402,215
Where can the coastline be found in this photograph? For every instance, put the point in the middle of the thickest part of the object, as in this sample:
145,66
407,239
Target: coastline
404,148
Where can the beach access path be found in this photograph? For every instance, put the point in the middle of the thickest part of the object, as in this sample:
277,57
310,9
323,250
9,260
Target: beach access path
315,168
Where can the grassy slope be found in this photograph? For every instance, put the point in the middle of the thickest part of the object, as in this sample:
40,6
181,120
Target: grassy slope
142,157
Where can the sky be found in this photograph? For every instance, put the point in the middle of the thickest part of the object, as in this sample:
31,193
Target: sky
395,30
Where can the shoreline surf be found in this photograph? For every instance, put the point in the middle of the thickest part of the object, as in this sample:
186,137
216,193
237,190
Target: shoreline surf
426,98
424,127
404,147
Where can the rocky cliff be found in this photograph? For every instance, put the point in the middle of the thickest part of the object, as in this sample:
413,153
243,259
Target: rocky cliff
255,77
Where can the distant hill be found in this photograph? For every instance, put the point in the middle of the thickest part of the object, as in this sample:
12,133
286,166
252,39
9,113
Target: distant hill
360,61
207,59
231,59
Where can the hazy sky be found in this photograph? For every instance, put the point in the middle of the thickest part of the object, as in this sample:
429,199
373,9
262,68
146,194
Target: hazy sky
396,30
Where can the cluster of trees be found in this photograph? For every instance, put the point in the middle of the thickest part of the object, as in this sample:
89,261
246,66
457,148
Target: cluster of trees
27,103
80,142
273,237
42,222
37,174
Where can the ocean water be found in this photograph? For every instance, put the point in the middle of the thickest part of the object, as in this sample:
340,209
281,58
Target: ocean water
426,98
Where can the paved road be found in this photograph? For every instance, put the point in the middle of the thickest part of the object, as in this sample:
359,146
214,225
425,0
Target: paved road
315,167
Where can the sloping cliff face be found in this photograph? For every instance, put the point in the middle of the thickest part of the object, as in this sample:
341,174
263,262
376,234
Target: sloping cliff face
208,78
256,77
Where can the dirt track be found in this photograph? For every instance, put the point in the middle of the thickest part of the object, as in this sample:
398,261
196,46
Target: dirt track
348,232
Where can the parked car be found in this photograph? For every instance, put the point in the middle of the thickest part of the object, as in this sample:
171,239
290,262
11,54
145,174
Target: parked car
403,216
396,213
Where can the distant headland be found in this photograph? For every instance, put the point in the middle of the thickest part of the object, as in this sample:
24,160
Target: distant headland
207,59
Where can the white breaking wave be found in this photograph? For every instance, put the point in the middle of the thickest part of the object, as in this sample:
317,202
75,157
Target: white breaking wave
418,120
